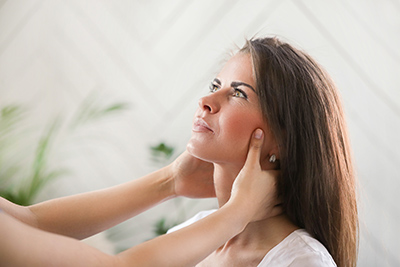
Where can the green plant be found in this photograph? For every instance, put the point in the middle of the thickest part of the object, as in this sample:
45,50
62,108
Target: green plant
39,175
10,117
91,110
161,226
23,190
161,153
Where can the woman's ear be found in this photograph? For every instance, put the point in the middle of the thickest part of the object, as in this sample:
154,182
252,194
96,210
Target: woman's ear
270,161
274,154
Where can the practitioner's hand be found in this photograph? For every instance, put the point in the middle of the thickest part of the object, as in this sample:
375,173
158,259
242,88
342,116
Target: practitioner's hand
192,177
255,190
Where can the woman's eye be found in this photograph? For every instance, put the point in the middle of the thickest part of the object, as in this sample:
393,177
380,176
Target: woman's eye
239,93
213,88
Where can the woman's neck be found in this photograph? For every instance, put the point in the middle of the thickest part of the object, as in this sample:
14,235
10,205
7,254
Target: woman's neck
224,176
263,234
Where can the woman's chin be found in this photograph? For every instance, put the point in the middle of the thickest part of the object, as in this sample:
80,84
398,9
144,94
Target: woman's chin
215,154
193,151
197,151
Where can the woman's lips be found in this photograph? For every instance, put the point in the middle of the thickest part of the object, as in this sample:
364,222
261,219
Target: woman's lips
199,125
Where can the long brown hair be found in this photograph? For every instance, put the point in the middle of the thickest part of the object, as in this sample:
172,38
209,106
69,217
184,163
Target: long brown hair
302,107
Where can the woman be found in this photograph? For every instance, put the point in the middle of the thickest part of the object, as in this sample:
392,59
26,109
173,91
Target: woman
40,235
271,85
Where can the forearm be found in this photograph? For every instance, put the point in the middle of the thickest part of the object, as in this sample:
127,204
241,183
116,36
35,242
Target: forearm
19,212
23,245
86,214
83,215
190,245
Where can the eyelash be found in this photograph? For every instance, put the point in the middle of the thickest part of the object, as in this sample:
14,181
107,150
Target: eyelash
243,94
213,88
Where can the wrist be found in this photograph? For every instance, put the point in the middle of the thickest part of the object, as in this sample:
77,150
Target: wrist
242,217
167,182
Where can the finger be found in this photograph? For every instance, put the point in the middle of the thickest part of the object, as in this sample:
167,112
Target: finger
256,141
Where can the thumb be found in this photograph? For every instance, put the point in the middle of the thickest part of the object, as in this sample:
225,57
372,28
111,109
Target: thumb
256,142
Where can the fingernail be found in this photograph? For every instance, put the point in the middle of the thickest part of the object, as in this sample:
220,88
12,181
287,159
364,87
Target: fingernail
258,134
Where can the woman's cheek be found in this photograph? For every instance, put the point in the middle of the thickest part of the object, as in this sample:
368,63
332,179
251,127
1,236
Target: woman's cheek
242,125
238,131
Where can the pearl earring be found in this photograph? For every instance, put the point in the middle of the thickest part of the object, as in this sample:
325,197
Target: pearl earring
272,159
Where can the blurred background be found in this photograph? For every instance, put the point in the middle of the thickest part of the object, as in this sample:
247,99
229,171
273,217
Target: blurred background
96,93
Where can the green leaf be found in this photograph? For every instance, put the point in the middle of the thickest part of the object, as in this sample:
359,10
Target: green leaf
161,227
90,110
162,151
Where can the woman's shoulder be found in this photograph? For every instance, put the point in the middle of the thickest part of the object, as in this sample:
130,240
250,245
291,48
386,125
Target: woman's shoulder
194,219
298,249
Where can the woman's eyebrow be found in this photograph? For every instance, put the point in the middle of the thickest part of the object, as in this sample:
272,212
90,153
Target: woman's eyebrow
217,81
236,84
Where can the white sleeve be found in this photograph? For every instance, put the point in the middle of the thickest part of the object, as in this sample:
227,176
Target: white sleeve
192,220
313,260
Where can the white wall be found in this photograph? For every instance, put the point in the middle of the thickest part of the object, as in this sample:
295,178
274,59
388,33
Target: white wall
159,56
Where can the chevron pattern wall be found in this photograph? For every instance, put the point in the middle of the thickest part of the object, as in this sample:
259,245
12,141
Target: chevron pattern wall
159,56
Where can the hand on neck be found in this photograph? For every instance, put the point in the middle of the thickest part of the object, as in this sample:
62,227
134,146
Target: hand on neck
265,233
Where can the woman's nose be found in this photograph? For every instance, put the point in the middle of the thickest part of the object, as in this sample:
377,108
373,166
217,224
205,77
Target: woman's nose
209,103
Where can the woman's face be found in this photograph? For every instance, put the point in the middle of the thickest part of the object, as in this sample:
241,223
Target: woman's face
227,117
